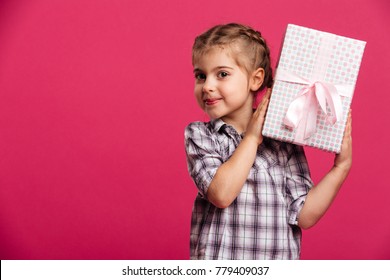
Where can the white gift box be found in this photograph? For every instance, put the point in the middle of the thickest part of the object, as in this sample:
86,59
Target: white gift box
314,84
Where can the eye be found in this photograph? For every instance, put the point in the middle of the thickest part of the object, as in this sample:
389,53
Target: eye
200,76
223,74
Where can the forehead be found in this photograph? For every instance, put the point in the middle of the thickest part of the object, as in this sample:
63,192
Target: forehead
215,57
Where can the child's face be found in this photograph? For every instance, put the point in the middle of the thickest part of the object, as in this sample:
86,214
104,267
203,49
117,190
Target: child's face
222,88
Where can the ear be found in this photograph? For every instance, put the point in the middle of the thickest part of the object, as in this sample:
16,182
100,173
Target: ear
257,79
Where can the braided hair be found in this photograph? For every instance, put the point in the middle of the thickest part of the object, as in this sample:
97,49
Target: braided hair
250,49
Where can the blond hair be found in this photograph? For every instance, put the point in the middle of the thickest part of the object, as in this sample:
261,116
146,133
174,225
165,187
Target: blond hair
248,46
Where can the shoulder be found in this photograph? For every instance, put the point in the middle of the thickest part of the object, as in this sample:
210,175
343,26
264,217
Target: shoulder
196,126
197,130
200,137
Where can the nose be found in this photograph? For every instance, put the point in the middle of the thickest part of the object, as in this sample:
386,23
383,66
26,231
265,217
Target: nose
209,85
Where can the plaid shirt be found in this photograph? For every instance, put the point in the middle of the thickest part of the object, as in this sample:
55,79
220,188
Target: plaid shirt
261,223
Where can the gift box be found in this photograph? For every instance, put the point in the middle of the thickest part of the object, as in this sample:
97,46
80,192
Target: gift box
314,84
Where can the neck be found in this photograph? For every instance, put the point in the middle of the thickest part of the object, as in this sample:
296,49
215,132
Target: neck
241,118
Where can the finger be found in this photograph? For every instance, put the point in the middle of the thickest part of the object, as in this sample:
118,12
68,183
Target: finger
264,107
268,92
350,121
348,126
264,100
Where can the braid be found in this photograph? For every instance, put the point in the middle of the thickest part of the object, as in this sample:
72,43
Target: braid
263,59
250,42
266,65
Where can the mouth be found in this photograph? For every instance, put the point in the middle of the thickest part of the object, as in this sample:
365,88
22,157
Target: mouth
211,101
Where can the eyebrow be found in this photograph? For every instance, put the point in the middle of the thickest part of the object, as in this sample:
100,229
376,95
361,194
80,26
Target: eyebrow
216,68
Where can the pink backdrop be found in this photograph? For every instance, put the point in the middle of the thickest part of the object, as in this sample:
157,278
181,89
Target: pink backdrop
94,98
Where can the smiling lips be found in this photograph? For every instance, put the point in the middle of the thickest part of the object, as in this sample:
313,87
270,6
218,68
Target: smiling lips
212,101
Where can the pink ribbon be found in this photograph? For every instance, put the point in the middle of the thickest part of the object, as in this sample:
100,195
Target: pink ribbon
302,112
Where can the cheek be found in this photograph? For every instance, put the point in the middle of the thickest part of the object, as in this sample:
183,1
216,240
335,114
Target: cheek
198,95
230,90
197,91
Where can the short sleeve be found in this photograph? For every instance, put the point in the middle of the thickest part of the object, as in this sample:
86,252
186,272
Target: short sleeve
298,181
203,158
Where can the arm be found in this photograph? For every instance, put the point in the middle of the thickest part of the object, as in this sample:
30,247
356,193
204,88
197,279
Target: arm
231,175
321,196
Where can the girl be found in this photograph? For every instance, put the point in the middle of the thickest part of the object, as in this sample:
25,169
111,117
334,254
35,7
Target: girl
254,194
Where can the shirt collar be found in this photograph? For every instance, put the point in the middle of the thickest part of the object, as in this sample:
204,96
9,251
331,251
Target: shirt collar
220,127
217,124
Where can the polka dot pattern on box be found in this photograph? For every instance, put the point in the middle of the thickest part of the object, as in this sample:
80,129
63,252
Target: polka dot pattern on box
310,54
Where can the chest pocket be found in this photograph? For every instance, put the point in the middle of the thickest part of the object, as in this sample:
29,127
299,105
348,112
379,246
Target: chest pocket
268,163
266,158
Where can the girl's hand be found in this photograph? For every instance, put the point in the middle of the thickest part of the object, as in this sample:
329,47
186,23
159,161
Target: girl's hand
255,126
343,160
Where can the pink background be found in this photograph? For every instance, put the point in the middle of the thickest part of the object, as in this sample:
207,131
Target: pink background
94,98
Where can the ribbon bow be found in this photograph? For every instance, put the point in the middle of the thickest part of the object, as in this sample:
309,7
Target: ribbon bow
303,110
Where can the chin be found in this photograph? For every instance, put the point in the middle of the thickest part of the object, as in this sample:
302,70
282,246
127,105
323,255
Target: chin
213,116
